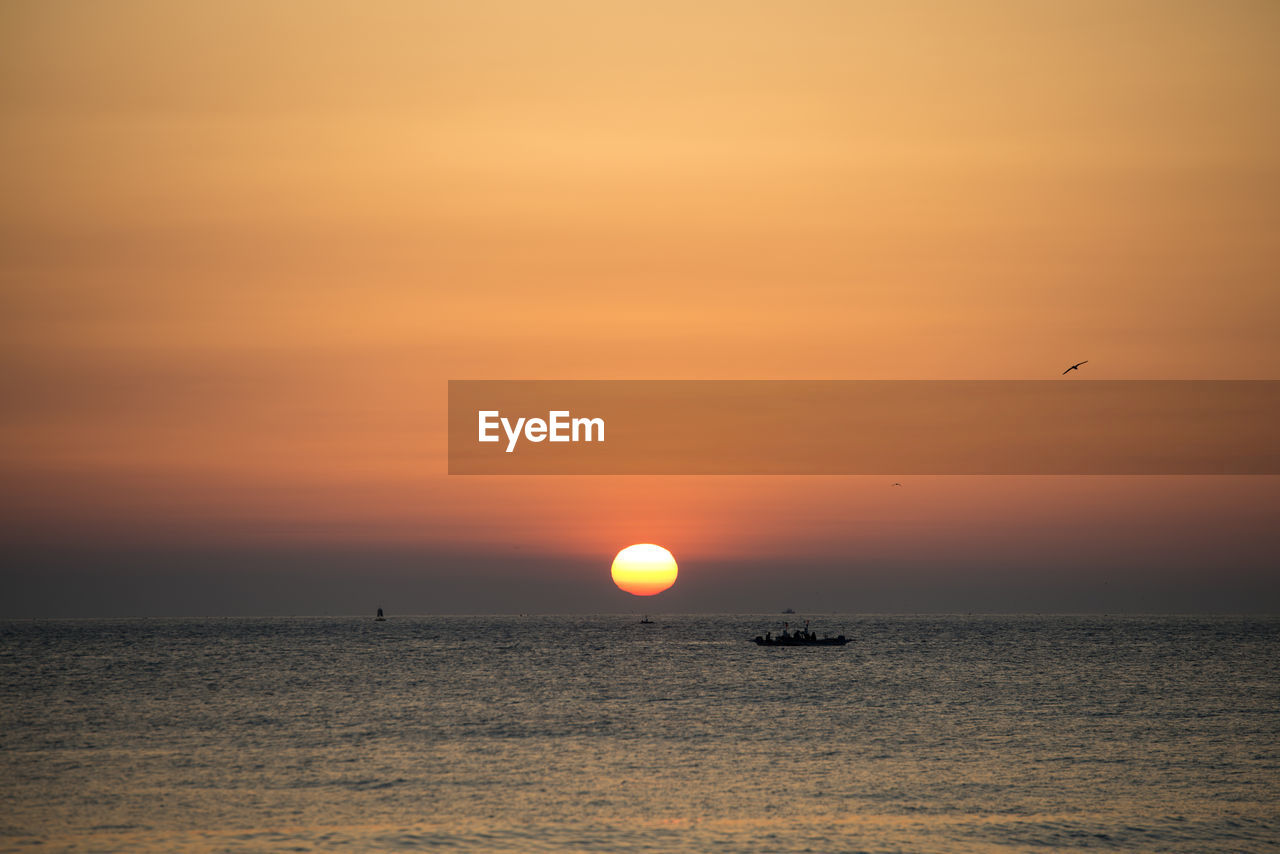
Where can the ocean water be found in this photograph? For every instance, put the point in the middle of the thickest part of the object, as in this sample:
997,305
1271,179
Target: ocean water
925,734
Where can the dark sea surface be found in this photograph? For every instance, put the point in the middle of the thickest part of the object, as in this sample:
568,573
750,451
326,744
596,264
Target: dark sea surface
925,734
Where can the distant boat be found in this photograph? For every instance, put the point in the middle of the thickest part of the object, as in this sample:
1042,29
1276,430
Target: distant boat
646,621
788,610
379,617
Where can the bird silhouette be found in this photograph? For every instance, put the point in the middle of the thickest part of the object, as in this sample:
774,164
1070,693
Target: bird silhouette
1075,367
897,484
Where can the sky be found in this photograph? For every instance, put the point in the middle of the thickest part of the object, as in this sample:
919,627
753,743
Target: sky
244,247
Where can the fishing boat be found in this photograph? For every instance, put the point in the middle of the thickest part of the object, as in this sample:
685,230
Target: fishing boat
800,637
799,640
379,617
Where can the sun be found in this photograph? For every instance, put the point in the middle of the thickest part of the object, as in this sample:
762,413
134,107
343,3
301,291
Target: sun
644,569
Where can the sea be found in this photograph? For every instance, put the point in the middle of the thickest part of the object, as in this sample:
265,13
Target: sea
603,733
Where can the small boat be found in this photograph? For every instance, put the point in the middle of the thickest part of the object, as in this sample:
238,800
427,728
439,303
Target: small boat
788,640
379,617
800,637
646,621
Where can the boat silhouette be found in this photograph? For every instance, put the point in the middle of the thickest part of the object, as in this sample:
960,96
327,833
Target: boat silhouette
788,640
800,637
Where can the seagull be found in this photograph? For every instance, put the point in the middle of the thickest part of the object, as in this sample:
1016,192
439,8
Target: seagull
1075,367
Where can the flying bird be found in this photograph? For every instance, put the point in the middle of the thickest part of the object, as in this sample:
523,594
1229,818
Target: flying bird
897,484
1075,367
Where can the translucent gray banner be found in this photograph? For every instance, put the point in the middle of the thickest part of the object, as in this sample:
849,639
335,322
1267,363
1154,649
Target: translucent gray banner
864,427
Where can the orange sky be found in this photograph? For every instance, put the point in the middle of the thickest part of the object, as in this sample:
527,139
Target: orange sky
243,247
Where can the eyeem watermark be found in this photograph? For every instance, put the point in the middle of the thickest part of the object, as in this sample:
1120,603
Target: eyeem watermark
558,427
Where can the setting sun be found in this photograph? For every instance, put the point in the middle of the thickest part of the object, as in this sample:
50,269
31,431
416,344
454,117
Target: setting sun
644,569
